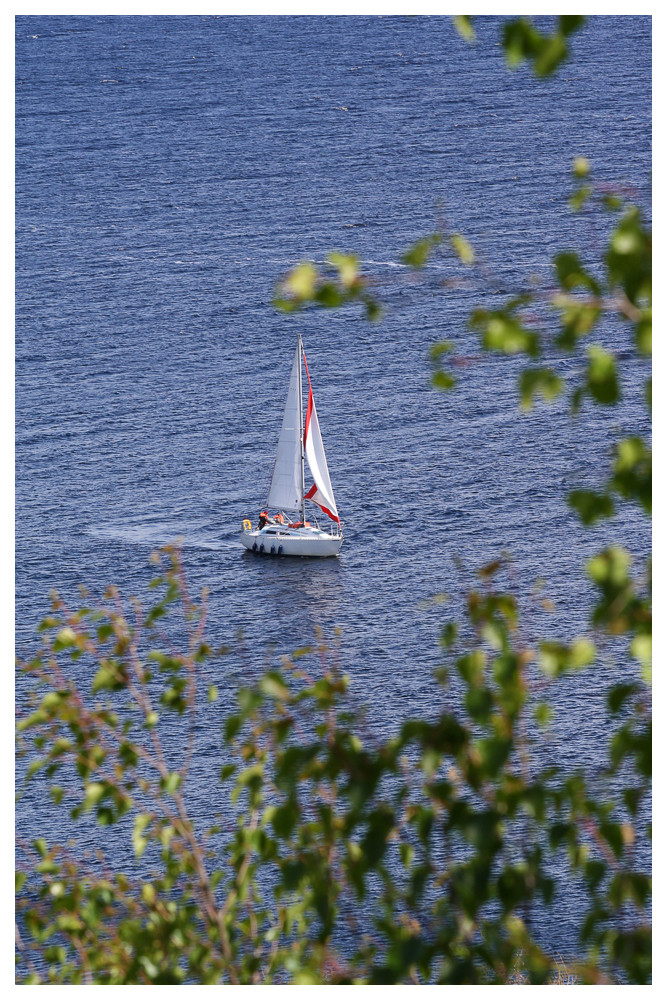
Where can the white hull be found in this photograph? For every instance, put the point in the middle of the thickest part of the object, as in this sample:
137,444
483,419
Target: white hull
292,542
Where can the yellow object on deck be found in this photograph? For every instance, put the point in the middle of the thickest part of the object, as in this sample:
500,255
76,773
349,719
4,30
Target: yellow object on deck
247,525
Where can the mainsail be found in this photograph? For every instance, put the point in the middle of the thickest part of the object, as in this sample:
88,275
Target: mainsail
285,491
320,492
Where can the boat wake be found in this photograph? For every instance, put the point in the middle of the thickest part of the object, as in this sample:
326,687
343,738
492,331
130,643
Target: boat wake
158,535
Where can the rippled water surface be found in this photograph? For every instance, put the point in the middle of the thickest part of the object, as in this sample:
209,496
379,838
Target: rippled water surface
169,171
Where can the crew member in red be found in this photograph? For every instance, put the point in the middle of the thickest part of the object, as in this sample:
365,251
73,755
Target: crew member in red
263,519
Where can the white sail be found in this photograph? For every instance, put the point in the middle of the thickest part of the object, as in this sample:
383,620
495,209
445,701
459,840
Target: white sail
285,491
320,492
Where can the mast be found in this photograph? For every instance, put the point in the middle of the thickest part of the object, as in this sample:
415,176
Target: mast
303,473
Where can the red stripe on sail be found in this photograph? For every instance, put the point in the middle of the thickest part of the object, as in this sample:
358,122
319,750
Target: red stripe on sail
309,410
309,496
328,513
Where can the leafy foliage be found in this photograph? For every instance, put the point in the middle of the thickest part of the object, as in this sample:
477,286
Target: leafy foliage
321,822
523,41
334,285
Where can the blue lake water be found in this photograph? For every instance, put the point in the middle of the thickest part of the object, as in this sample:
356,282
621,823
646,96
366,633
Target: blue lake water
169,171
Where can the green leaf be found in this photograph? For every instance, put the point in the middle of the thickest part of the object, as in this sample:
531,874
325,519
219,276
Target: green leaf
580,197
448,635
232,726
644,333
372,307
641,648
629,258
502,331
328,295
618,695
568,23
462,248
539,381
95,790
578,317
443,380
284,304
591,506
252,776
612,202
594,872
571,274
148,893
139,842
479,702
520,41
576,400
156,612
56,793
171,783
558,658
65,639
347,266
552,55
543,714
300,282
581,166
633,472
442,347
582,653
128,754
48,867
167,664
419,252
104,631
464,26
285,818
272,685
111,676
602,380
613,834
610,567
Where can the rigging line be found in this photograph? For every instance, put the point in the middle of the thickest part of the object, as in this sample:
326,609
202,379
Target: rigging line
306,364
311,401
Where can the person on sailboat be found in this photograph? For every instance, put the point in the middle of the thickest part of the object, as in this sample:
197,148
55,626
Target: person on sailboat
263,520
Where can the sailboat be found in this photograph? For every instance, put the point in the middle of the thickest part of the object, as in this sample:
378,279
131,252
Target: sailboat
283,528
